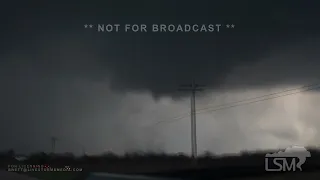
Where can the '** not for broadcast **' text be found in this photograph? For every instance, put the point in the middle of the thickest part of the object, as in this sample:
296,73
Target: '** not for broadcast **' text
157,28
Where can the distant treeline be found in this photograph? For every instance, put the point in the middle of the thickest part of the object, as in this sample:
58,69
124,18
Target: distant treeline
161,164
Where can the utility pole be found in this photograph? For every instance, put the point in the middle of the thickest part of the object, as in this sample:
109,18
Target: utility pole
193,87
53,144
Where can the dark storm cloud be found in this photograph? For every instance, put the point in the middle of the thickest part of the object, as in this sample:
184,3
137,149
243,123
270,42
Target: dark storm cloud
158,62
56,75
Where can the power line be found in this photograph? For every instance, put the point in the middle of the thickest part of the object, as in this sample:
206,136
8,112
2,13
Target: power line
258,97
228,107
248,99
261,100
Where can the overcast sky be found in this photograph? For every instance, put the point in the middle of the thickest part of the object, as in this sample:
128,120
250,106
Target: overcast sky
107,91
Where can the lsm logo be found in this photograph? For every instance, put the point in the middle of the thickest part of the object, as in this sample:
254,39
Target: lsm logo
280,161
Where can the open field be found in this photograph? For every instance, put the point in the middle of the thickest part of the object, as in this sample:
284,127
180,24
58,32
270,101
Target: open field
50,176
291,176
247,166
54,175
4,175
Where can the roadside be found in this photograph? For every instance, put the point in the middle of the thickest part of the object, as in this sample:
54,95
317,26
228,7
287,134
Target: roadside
5,175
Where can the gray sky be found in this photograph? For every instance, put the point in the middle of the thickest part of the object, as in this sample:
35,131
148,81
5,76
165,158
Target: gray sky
106,90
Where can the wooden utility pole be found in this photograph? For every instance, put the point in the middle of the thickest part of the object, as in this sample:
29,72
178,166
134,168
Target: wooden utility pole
193,87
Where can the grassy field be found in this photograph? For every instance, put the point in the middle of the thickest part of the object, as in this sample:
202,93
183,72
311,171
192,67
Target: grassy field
293,176
247,166
82,176
54,175
75,176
